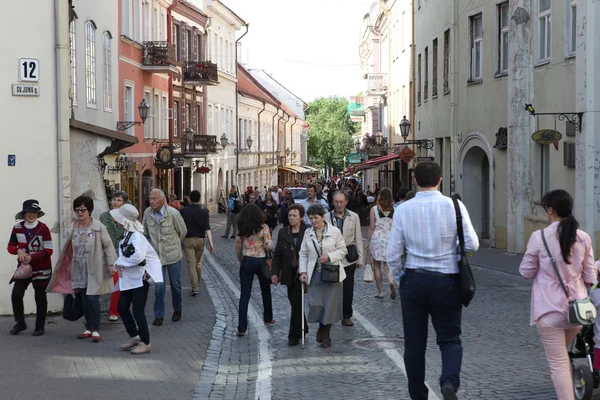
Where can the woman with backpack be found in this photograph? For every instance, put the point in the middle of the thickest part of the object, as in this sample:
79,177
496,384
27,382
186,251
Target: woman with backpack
233,208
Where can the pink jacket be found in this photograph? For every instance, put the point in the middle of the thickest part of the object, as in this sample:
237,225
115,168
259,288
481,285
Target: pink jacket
546,293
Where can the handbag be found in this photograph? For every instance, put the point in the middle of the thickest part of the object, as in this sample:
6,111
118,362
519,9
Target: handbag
580,312
72,307
352,253
368,275
265,266
466,279
25,270
330,273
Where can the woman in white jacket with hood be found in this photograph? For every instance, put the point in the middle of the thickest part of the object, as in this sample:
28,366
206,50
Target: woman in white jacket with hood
138,267
323,244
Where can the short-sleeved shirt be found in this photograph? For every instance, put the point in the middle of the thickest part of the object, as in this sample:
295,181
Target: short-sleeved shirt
196,220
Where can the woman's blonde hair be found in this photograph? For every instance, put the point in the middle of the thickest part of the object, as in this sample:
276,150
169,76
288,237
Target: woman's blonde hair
385,200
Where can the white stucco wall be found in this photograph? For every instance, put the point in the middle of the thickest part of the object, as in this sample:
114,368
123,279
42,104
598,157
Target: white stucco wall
29,131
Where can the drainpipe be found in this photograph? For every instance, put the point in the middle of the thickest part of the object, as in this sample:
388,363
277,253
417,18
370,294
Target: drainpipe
273,157
171,123
292,136
285,133
237,125
276,129
259,130
63,146
454,100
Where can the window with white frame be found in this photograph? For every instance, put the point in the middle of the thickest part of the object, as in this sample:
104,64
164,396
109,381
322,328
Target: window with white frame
502,43
426,72
222,123
227,125
175,119
165,116
209,118
146,20
199,129
188,116
476,37
221,53
72,48
148,123
137,21
126,18
544,30
90,63
571,37
107,70
128,106
156,123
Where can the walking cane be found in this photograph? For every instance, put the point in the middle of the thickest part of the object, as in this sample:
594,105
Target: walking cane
302,315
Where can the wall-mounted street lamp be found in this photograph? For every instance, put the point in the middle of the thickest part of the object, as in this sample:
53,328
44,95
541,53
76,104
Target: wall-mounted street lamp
143,110
248,144
575,118
223,140
121,164
405,130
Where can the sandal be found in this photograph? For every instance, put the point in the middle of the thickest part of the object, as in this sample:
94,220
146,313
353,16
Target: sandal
240,334
379,296
85,335
271,322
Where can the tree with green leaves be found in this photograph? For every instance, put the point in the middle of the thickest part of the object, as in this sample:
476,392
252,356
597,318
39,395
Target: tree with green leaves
330,134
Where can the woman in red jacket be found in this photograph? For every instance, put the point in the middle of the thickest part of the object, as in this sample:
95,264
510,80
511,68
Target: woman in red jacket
31,242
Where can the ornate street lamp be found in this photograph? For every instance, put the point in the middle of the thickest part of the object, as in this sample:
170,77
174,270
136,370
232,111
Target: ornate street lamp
294,155
249,142
223,140
404,127
378,138
357,144
188,132
143,110
575,118
287,152
180,161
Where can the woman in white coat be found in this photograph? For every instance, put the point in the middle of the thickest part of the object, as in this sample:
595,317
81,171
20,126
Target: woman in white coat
322,244
138,267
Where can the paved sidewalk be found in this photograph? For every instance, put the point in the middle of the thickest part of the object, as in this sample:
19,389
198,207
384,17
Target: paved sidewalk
57,365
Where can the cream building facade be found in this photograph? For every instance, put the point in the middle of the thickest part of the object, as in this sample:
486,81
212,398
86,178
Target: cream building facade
478,64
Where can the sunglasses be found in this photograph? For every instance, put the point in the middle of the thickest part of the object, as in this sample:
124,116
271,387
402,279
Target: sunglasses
80,210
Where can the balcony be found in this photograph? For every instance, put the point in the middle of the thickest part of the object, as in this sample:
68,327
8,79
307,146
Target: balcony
200,73
159,57
377,83
199,145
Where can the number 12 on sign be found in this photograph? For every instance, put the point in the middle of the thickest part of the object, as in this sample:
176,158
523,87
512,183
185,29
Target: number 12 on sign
29,70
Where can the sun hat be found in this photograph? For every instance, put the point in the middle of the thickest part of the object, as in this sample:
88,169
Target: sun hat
127,215
30,205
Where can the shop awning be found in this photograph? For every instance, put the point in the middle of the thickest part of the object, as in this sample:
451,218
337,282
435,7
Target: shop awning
288,169
310,169
375,162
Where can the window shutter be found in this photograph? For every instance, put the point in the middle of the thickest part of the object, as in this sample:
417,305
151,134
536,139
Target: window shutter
569,154
194,44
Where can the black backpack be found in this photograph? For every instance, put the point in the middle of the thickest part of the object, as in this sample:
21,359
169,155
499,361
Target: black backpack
236,205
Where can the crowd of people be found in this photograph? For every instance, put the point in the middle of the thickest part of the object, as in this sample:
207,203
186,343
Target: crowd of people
412,240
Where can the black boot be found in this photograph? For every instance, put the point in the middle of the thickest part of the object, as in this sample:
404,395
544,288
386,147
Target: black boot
326,338
320,333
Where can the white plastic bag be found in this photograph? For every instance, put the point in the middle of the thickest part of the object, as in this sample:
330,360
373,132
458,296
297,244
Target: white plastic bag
368,275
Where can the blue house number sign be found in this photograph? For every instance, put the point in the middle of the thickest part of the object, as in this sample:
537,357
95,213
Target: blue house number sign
12,160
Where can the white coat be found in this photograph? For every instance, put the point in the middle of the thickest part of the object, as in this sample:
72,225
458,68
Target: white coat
132,272
333,245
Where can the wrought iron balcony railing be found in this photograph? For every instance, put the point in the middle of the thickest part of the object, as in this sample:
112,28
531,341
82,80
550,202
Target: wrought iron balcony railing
159,56
377,82
201,72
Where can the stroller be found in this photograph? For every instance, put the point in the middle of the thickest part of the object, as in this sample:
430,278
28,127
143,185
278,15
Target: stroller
585,377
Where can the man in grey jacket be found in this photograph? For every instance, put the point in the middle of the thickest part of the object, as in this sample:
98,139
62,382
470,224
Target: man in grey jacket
166,230
349,223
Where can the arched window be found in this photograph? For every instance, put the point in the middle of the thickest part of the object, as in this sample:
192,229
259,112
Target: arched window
72,48
107,69
90,63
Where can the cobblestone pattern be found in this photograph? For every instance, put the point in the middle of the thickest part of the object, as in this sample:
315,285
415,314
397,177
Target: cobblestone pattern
57,365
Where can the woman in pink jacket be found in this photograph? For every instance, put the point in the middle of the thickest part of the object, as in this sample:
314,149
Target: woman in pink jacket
572,249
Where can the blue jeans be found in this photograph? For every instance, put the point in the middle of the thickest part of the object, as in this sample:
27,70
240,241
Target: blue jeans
91,310
159,290
251,266
424,294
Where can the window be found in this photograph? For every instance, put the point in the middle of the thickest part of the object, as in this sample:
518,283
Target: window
188,45
434,80
146,18
221,52
426,71
176,33
198,125
502,44
148,124
228,129
126,18
128,106
165,116
156,123
199,48
107,70
188,116
137,21
73,44
571,37
222,123
476,24
90,63
209,117
175,119
447,61
544,30
419,83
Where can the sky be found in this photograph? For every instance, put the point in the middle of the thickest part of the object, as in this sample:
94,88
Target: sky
309,46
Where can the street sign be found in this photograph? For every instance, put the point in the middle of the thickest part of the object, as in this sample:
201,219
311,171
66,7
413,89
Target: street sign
25,89
12,160
407,154
425,158
29,70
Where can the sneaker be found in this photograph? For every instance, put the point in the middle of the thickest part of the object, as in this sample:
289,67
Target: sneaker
141,348
448,391
96,338
113,318
85,335
224,236
131,343
18,328
38,332
194,293
232,237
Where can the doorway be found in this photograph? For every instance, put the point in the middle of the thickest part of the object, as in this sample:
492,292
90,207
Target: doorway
476,183
147,185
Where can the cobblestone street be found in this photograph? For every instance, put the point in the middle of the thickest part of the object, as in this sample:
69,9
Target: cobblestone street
201,358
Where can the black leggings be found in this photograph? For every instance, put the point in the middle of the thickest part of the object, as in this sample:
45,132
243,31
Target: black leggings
41,302
135,324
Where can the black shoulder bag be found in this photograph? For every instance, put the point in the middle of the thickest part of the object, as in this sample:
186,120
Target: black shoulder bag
352,254
330,273
467,281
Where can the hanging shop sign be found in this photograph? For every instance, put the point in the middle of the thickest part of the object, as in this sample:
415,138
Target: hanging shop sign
546,136
356,158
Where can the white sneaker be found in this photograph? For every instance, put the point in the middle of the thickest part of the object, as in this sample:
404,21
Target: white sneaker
131,343
113,318
141,348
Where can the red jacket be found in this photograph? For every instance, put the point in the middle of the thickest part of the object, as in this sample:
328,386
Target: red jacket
39,247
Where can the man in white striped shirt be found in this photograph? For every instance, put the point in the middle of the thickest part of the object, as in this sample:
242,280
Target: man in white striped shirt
425,227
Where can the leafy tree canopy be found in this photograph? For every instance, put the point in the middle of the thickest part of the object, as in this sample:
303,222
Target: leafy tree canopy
331,130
